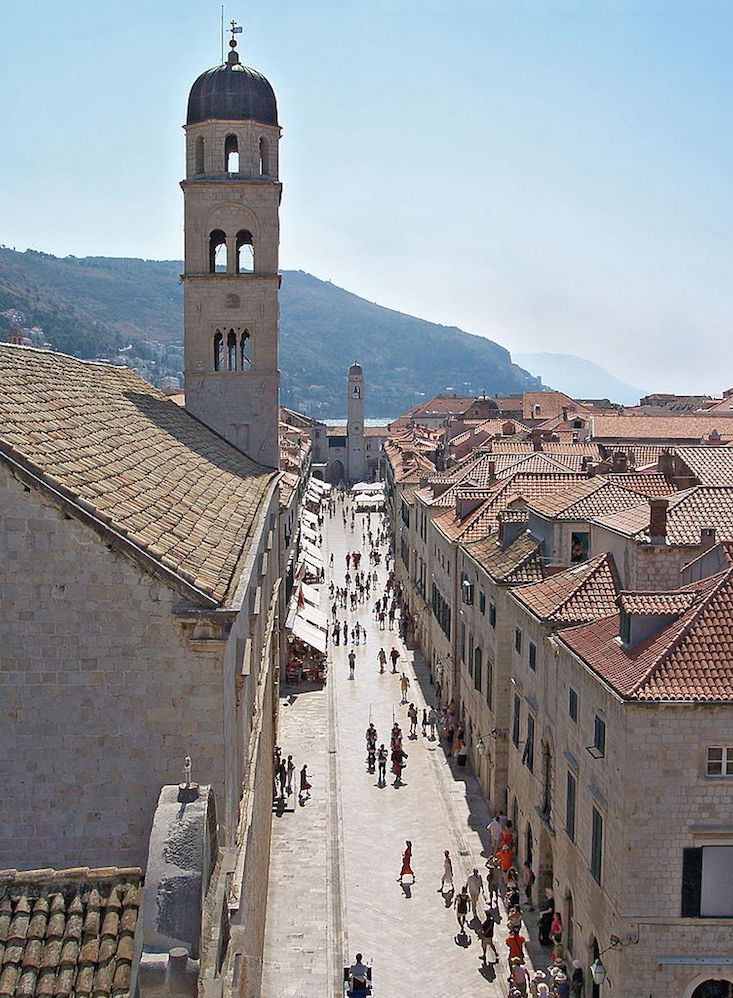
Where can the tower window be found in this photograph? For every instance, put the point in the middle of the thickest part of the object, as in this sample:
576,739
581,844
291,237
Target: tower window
231,154
245,252
231,350
356,392
199,151
218,350
217,252
245,361
264,158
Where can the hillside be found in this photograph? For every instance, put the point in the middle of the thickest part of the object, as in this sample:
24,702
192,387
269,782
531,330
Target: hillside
131,311
578,377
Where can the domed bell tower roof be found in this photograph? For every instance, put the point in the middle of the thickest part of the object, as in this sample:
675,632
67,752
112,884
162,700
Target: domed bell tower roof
232,92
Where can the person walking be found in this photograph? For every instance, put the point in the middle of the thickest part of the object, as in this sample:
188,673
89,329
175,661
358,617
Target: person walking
475,885
290,770
447,878
382,659
404,686
529,879
394,655
515,942
412,714
398,761
305,785
406,870
460,903
486,935
494,828
282,777
432,721
382,763
352,663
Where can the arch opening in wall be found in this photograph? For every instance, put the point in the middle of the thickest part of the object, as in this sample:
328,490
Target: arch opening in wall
199,155
218,350
217,252
264,157
245,252
714,988
245,346
231,350
231,154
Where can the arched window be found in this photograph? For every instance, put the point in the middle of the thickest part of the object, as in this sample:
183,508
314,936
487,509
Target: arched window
231,154
218,350
568,922
547,781
356,392
199,150
264,158
217,252
245,252
231,350
245,360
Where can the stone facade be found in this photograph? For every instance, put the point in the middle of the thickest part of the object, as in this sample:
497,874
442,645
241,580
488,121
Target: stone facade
107,684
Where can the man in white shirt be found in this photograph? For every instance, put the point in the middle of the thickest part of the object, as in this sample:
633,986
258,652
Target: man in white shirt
494,828
475,885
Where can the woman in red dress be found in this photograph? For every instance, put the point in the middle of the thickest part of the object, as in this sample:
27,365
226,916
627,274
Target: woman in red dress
305,787
406,870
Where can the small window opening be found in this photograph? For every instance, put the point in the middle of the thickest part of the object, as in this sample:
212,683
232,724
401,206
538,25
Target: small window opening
218,350
199,167
245,252
264,158
231,154
231,350
356,392
217,252
245,361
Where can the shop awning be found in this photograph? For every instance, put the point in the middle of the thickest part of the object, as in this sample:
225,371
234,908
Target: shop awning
307,566
313,636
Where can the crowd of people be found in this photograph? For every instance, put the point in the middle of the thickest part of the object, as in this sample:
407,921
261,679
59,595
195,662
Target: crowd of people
480,898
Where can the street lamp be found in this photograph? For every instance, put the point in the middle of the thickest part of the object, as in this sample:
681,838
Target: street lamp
597,971
481,746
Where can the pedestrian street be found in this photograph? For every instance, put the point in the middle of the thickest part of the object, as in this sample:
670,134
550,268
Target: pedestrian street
335,862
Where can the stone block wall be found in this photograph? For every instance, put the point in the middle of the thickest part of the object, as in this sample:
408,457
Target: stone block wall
102,697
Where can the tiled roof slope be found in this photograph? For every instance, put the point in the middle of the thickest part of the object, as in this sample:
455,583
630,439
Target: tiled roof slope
583,593
688,512
683,427
691,659
137,462
586,499
485,519
68,932
518,564
710,465
645,483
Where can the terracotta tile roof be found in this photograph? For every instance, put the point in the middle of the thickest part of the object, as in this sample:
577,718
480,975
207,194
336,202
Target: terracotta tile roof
376,431
485,519
147,469
520,563
710,465
557,448
643,483
585,592
68,932
690,659
688,512
656,603
551,404
586,499
691,428
442,405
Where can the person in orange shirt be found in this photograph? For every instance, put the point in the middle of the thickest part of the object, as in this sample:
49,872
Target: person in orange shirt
506,859
515,942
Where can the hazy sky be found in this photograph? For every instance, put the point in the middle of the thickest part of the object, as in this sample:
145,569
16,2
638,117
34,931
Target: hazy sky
556,176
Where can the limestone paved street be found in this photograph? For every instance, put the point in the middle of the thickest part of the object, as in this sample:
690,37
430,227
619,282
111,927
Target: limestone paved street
335,861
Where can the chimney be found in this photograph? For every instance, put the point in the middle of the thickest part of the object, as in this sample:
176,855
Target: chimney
564,414
707,538
536,439
466,503
491,469
665,464
620,462
658,520
508,429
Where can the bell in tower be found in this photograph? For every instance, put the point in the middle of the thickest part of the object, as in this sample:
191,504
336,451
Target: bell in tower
231,200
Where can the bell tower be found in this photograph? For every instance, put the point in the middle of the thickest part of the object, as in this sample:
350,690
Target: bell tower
231,198
355,424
